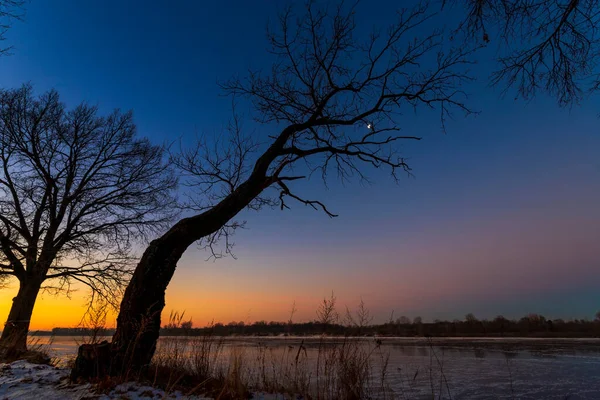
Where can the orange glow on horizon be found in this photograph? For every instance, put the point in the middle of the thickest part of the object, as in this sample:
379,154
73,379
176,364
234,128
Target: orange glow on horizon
52,311
434,272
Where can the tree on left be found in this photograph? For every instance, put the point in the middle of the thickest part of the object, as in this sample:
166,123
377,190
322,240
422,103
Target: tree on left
77,190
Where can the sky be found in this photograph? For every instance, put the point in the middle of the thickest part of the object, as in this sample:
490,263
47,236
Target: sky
501,214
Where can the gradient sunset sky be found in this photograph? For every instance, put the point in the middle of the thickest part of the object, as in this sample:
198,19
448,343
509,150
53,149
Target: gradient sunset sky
502,215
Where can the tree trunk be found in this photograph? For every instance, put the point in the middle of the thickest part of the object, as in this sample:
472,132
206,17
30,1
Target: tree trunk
14,336
138,323
91,359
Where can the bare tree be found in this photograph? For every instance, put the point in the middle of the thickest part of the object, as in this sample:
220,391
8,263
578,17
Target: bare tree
470,318
326,312
336,102
76,189
362,317
293,311
548,45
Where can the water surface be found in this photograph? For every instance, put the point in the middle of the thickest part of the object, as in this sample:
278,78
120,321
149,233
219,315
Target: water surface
450,369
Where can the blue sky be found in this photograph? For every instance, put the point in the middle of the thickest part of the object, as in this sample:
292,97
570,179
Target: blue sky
501,215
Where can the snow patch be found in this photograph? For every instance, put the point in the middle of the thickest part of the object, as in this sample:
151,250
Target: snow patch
22,380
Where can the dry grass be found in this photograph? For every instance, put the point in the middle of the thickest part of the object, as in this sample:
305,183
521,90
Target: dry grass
37,352
322,368
196,365
326,370
346,368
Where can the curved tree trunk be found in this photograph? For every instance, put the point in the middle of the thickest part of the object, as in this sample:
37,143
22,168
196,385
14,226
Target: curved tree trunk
14,335
138,323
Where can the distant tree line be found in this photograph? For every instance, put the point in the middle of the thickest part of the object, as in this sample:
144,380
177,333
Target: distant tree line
76,332
531,325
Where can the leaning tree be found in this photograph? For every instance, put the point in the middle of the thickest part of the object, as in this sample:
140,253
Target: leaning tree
76,190
335,101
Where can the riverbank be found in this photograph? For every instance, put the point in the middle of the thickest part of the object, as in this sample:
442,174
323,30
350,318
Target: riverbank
22,380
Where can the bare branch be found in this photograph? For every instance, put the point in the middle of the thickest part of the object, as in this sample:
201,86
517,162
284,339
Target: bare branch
544,45
337,99
313,203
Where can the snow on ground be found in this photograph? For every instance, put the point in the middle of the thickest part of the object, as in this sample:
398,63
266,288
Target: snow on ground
22,380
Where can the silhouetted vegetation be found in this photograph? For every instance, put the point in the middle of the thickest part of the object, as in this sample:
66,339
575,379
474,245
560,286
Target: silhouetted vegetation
334,98
542,46
350,369
86,187
77,189
531,325
324,87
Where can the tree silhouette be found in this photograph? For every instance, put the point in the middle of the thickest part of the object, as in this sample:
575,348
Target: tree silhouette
362,317
76,189
470,318
551,45
326,312
336,103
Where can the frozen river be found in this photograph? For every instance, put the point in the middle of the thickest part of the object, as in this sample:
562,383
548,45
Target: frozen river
485,369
